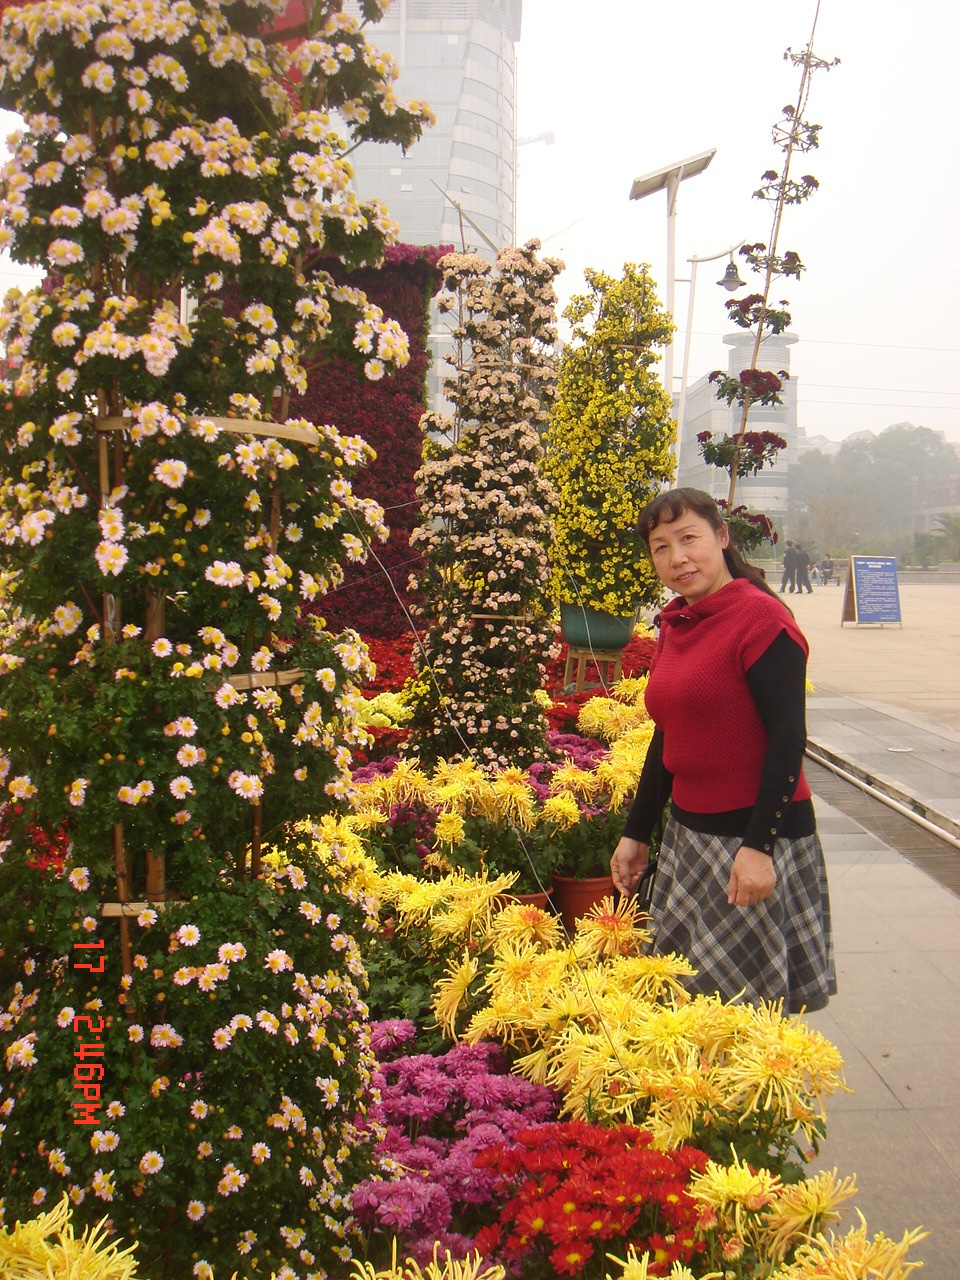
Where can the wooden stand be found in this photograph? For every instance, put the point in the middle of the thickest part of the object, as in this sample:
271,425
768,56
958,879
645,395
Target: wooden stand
607,661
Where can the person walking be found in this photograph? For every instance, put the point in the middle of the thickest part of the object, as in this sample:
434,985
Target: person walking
740,887
803,569
789,578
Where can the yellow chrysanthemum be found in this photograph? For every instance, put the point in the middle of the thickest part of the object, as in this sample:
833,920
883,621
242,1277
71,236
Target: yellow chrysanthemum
449,829
803,1208
608,718
562,810
520,920
853,1256
580,782
47,1246
515,798
441,1267
611,931
783,1065
631,689
636,1268
734,1191
452,991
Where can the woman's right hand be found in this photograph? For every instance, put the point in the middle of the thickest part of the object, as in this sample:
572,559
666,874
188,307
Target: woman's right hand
628,864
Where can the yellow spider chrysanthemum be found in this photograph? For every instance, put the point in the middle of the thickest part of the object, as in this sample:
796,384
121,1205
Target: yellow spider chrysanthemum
853,1255
636,1268
782,1065
452,991
580,782
651,977
611,931
47,1246
562,810
631,689
449,829
519,921
803,1208
609,718
441,1267
734,1192
515,798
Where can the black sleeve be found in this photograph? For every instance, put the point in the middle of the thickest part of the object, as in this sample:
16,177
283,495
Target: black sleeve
653,792
777,683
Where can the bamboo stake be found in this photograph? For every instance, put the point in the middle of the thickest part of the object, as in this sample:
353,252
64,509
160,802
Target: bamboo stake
121,869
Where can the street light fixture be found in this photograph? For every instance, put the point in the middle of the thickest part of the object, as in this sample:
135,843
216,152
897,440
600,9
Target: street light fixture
668,179
731,281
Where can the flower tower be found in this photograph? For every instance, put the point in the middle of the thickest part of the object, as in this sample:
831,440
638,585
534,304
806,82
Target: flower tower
608,443
183,1022
485,517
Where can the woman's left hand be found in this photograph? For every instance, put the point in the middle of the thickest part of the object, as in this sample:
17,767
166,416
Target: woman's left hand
752,879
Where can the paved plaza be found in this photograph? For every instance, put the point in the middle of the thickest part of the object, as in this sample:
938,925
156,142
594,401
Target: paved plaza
887,709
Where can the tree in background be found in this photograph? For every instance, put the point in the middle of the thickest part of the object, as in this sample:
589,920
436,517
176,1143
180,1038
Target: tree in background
947,531
608,442
485,522
866,496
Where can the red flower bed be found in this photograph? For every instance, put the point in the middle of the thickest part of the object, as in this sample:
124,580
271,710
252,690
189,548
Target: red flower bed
387,415
575,1191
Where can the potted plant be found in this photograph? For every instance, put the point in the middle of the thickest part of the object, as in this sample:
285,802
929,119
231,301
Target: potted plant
607,454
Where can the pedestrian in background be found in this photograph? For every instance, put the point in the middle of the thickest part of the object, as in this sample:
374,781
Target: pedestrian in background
789,579
803,569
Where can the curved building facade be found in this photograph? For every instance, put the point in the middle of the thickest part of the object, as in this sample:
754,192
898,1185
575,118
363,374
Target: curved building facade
459,56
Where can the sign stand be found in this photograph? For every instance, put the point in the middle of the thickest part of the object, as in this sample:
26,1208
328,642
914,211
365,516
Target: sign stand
871,594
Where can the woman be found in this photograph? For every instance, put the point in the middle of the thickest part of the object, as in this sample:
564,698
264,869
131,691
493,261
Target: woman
740,887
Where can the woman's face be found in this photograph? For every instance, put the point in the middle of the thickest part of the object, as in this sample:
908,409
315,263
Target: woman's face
688,555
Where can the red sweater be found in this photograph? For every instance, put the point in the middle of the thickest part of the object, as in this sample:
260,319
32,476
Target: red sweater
713,739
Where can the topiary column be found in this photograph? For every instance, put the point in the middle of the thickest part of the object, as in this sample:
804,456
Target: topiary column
184,1023
485,518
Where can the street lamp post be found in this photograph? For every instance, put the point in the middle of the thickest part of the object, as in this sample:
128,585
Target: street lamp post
668,179
730,281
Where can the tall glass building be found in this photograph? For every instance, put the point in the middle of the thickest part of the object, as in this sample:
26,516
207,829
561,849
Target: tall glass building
459,56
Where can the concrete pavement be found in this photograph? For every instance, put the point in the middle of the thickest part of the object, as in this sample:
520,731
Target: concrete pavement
887,709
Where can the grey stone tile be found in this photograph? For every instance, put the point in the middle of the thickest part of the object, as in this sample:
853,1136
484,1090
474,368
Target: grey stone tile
893,998
929,931
903,1180
923,896
921,1075
942,1126
947,963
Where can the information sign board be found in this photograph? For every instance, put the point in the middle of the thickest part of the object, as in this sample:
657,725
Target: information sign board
872,593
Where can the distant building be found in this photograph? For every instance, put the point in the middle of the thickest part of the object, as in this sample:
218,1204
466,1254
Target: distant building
459,56
767,492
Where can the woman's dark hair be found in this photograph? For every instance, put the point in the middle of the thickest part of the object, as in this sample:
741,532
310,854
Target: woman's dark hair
667,507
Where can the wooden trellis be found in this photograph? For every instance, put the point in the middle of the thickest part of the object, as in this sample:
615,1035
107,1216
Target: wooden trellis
155,893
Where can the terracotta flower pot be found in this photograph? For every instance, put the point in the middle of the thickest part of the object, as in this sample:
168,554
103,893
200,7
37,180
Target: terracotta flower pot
573,898
540,899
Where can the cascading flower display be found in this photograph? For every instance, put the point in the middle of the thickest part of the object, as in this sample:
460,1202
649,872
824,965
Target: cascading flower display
170,696
485,513
121,1089
164,534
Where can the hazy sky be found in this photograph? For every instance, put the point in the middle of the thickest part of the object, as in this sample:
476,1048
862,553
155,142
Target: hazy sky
629,86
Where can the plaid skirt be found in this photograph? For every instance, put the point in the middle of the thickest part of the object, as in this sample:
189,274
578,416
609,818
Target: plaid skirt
780,949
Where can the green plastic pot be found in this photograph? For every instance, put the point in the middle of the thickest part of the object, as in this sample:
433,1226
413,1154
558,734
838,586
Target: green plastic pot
585,628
